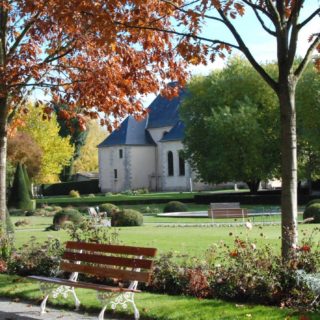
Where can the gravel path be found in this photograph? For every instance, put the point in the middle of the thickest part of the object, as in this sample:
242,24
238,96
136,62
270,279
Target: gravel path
10,310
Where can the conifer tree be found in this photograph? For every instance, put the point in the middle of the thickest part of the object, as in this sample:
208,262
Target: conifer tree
19,197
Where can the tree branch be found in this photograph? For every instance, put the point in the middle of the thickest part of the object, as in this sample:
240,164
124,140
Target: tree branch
306,21
273,33
307,57
242,47
257,7
25,30
188,35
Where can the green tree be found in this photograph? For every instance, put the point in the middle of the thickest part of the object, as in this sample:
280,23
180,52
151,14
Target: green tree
238,128
308,129
88,159
56,151
19,195
76,130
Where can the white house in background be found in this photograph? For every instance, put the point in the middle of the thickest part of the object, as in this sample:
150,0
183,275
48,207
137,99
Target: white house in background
147,153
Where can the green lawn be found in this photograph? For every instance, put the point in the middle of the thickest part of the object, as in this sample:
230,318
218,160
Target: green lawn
155,306
183,239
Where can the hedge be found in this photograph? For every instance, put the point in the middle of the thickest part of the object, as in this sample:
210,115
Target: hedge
64,188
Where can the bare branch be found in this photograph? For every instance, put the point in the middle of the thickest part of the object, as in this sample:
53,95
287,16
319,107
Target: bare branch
273,33
306,21
242,47
298,72
257,7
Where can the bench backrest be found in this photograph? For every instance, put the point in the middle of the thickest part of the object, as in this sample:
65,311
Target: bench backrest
225,205
228,213
124,263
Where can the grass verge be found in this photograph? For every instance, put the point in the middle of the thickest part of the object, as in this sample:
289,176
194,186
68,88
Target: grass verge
155,306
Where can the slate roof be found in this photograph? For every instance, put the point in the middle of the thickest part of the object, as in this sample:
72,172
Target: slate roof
176,133
130,132
164,112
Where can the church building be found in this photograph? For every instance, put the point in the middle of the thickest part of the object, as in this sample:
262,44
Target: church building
148,153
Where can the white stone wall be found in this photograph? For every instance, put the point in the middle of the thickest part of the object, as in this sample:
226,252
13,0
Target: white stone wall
177,182
109,160
134,170
143,167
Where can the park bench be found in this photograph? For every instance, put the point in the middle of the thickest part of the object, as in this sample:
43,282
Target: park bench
226,210
120,264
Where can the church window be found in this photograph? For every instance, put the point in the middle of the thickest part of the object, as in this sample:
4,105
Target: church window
115,174
170,164
182,168
120,153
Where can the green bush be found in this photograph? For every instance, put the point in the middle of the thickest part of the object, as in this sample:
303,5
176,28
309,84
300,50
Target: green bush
126,218
148,209
175,206
108,208
63,188
312,202
65,215
19,196
17,212
312,211
74,194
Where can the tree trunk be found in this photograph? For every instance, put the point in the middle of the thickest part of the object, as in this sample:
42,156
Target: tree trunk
3,163
289,197
253,185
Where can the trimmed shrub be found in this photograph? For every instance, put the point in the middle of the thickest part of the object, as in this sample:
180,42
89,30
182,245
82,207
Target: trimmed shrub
74,194
126,218
109,208
175,206
19,196
312,202
27,179
149,210
65,215
84,187
312,211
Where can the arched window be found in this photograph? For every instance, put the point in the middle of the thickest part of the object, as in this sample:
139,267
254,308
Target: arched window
170,164
182,170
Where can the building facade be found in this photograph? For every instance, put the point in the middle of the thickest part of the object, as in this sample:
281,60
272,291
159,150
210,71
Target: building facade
148,153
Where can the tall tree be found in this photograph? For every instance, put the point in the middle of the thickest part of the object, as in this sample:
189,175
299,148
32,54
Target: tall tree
75,128
79,52
284,21
56,151
88,159
237,128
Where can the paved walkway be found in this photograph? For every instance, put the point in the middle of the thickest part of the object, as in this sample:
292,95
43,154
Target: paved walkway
24,311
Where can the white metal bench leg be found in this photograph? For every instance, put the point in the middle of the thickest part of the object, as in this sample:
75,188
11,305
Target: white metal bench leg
43,304
101,314
76,299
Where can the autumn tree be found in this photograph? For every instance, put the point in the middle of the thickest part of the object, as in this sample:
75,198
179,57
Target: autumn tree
56,151
88,158
22,148
206,28
81,55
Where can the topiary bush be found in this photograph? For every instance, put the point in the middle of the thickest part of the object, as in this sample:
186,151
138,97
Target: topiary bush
19,196
175,206
109,208
126,218
65,215
312,202
74,194
312,211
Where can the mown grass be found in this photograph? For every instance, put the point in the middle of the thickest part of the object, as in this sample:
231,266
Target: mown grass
154,306
184,239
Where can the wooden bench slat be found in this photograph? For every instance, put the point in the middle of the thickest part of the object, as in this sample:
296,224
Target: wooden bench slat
108,260
228,213
125,275
107,248
80,284
225,205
